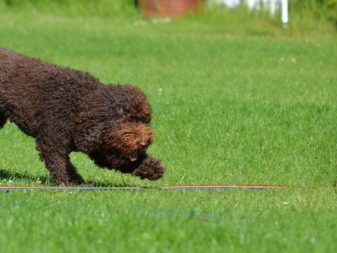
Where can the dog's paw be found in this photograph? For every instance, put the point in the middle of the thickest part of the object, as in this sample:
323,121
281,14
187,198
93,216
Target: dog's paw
150,168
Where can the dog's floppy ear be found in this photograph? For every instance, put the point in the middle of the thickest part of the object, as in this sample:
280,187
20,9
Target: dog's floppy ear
132,100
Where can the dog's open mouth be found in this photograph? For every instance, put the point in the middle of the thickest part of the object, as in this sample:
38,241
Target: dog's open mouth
133,157
136,155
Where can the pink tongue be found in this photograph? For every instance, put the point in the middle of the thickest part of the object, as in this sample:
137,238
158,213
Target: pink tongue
133,157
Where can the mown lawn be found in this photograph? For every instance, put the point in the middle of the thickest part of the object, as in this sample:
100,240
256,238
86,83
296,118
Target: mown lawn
226,109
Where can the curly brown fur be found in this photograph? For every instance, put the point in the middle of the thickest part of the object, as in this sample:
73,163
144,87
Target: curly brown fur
149,168
67,110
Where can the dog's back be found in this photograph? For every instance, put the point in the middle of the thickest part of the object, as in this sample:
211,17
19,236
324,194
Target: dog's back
32,90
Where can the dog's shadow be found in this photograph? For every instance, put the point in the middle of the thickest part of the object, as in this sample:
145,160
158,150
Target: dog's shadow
7,175
11,175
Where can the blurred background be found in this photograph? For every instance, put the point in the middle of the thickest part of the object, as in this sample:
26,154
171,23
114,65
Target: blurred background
264,14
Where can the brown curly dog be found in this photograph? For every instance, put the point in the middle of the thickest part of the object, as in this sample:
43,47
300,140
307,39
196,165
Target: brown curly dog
67,110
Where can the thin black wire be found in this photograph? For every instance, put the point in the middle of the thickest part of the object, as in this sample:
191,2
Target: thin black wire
131,188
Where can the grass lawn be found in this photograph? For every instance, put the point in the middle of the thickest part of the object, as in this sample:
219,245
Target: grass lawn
227,108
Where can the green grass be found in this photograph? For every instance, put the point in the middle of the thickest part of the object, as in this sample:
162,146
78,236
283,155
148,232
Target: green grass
229,106
231,221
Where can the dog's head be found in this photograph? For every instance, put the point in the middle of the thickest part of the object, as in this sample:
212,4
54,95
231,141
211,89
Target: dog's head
125,144
124,149
115,130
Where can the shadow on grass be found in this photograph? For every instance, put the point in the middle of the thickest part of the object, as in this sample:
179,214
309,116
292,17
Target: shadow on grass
10,175
44,180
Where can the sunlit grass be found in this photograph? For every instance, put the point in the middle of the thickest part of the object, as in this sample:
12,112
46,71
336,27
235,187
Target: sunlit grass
227,108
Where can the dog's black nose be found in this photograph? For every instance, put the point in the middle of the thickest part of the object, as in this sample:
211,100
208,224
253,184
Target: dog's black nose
143,145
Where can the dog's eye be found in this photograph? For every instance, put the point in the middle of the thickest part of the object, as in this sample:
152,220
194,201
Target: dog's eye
142,120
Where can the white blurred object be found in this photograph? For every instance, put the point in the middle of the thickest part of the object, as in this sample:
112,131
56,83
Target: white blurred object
229,3
285,18
272,5
253,4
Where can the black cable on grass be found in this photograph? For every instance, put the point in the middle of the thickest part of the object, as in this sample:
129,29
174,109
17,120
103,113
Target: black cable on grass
138,188
69,188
